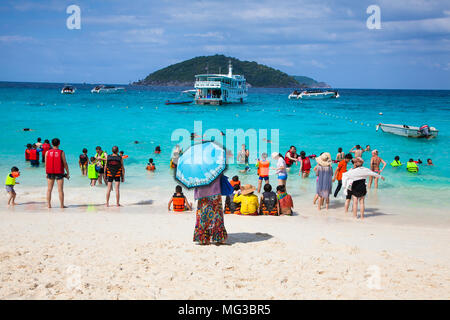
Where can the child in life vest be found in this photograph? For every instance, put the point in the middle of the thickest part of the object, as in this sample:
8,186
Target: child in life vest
305,165
269,202
91,172
150,165
232,207
263,170
10,183
179,201
285,201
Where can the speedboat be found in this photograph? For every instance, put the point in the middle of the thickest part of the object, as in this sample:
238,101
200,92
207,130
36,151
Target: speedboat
107,89
189,93
409,131
314,94
68,89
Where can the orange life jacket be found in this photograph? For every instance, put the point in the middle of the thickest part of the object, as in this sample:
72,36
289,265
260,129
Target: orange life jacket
263,168
233,183
178,203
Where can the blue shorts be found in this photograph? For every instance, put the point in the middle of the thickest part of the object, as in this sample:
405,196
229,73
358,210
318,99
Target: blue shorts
282,176
266,178
9,188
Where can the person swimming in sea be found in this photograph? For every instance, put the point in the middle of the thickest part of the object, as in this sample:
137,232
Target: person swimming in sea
150,165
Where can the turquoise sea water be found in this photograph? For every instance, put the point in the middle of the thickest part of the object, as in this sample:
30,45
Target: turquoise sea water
87,120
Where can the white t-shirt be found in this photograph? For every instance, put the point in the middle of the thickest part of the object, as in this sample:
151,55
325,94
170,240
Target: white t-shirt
281,166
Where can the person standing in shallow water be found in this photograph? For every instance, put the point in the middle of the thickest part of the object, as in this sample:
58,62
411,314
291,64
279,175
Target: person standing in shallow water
100,158
115,172
209,224
55,165
375,167
324,173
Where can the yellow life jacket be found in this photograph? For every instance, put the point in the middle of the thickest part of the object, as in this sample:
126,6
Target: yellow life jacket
92,173
10,181
412,167
396,163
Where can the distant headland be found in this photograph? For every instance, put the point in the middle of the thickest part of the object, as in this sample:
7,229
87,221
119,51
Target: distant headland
257,75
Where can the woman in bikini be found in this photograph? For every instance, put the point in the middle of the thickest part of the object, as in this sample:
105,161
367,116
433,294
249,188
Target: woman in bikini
375,167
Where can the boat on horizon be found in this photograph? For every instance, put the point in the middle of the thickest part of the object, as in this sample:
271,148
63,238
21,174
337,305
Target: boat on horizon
409,131
68,89
218,89
314,94
107,89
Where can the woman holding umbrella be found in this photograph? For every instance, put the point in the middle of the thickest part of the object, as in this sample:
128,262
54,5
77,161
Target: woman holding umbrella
201,167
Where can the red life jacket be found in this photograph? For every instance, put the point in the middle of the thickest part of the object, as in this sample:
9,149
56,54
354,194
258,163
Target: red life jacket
306,164
288,160
45,148
27,154
33,155
54,163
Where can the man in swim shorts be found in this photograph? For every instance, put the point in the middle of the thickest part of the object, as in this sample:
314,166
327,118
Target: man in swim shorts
115,172
55,166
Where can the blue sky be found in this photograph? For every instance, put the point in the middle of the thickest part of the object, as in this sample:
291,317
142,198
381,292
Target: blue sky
122,41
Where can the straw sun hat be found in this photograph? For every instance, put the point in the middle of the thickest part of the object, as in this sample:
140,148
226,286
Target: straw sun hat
248,188
324,160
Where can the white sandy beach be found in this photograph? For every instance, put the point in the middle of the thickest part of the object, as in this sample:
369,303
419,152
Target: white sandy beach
141,251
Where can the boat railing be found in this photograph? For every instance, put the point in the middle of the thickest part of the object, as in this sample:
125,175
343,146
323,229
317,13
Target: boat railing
208,84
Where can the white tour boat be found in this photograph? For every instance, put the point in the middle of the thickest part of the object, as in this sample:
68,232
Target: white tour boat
408,131
68,89
219,89
314,94
107,89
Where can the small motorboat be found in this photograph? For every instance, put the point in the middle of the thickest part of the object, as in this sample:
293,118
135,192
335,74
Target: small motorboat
189,93
314,94
409,131
68,90
107,89
178,102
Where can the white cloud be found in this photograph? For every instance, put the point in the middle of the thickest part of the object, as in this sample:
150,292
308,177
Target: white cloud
15,39
116,20
214,35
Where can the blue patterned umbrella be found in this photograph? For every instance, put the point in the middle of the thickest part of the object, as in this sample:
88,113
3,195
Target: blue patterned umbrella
201,164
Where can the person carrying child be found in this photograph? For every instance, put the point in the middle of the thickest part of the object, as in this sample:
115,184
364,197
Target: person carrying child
179,201
10,183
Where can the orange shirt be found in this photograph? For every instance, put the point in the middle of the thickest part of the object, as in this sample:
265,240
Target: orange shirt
342,167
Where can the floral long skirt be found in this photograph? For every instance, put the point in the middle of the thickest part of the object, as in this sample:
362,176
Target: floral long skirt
209,224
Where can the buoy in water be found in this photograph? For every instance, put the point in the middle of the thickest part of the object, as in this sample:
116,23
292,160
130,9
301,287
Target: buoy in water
381,113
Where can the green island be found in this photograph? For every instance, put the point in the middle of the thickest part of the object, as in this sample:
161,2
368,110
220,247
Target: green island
257,75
